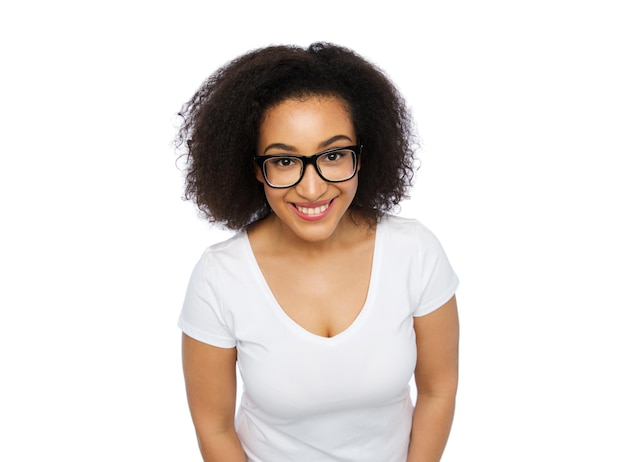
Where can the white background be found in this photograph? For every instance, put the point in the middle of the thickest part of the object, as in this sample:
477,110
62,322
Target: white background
521,109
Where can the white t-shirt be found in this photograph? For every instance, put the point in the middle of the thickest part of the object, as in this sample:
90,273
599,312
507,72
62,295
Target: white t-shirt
310,398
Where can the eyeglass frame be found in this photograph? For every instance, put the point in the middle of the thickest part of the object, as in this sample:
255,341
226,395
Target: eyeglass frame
306,160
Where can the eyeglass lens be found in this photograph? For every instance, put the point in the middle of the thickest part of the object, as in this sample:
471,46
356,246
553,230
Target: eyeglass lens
335,166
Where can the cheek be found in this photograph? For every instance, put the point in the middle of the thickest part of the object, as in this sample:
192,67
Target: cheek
355,182
350,189
272,195
356,186
259,174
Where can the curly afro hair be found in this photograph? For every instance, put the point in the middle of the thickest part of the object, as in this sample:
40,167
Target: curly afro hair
220,128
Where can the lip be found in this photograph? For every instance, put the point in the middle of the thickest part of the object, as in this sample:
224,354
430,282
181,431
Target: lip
313,205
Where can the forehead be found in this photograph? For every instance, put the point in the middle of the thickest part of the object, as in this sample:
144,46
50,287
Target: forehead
308,119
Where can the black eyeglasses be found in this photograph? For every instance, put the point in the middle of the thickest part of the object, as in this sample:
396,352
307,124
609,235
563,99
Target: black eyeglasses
286,170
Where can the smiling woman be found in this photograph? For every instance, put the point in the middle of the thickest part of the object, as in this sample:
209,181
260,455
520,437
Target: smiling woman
322,299
312,207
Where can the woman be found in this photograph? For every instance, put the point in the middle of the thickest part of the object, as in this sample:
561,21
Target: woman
327,304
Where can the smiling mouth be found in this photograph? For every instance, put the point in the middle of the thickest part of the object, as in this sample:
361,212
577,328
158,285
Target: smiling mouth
312,210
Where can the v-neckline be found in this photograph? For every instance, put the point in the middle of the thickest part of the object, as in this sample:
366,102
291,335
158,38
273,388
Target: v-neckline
278,309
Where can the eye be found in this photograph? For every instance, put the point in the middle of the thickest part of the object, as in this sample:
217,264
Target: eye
334,156
281,162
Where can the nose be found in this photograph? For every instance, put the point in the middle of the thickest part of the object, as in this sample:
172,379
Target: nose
312,186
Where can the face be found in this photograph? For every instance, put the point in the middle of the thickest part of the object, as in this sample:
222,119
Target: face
313,209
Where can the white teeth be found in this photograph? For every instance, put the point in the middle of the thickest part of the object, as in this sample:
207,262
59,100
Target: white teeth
312,211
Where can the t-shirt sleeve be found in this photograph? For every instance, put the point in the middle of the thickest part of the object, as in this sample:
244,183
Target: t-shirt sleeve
202,317
436,281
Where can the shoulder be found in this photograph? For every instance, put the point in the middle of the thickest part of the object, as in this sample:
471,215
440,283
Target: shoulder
216,257
403,232
416,251
220,267
231,246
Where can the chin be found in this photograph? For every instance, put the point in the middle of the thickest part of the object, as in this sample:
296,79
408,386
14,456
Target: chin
312,231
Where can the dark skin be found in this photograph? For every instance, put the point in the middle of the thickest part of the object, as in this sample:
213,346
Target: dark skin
316,253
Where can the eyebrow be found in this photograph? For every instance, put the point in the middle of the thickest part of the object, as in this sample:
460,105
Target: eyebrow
322,145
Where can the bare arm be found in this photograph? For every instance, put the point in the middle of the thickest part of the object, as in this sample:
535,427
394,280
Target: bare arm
211,384
436,376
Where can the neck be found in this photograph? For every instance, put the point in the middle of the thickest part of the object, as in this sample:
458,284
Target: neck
279,239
